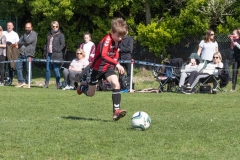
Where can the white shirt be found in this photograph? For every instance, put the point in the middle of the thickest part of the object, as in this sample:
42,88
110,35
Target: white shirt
193,68
87,48
211,68
79,64
208,49
11,36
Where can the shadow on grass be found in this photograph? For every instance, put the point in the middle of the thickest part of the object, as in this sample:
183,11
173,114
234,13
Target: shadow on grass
86,119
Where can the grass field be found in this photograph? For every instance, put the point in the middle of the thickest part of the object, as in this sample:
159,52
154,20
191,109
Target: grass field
53,124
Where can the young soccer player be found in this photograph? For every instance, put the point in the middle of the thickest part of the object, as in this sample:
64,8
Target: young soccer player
103,66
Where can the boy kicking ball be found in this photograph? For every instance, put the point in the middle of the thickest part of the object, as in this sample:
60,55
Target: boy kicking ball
103,66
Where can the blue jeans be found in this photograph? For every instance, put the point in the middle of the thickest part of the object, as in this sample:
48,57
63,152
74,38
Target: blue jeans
19,67
49,66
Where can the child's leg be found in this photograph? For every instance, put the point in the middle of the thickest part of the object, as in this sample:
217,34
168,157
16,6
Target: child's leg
116,94
116,97
91,90
88,90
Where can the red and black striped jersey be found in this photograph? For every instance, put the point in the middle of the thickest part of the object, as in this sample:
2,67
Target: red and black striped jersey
106,55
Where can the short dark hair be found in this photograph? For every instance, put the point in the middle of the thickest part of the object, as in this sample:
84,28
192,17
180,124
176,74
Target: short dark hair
29,23
10,22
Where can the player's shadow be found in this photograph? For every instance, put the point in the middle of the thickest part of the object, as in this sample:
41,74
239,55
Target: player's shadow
85,119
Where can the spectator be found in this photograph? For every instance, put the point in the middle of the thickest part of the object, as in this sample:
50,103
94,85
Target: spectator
236,63
88,46
12,39
209,70
125,51
234,37
75,67
2,55
194,63
208,46
53,50
104,64
27,47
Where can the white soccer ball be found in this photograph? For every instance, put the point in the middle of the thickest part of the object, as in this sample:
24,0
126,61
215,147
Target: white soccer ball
141,120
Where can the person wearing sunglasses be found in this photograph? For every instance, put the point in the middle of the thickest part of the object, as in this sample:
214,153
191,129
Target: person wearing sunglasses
208,46
236,63
210,69
76,67
53,50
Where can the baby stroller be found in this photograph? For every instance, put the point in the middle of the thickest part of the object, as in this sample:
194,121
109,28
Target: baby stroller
168,75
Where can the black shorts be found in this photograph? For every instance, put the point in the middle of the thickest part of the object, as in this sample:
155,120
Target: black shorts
98,75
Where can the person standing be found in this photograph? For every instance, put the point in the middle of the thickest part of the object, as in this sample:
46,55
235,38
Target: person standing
208,46
104,64
2,55
234,37
236,62
88,46
125,51
53,50
12,39
27,48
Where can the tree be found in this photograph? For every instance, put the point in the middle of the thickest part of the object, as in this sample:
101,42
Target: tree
194,18
155,23
217,10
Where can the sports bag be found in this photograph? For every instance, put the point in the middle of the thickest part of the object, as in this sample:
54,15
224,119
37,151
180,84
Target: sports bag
205,89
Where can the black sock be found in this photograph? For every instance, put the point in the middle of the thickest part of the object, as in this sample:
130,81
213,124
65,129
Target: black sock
116,98
84,89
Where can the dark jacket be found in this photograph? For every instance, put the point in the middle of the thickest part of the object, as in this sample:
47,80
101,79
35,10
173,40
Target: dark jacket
126,48
224,77
236,51
58,45
27,44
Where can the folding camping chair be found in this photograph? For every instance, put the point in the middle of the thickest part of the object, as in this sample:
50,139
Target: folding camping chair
219,81
168,75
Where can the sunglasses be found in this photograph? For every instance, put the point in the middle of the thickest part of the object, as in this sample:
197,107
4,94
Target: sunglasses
216,57
80,53
55,26
212,34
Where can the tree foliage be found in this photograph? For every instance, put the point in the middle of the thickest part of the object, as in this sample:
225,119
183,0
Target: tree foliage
194,18
154,23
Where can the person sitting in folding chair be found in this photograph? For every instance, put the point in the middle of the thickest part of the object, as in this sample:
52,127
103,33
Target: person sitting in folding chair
75,67
195,63
209,70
